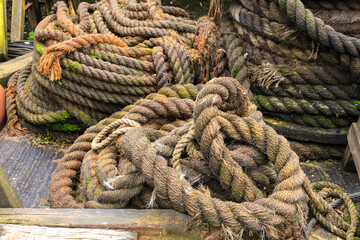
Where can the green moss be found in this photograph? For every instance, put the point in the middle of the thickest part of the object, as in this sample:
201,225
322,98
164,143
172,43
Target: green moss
97,191
234,73
40,48
148,50
88,180
96,56
325,121
67,127
74,65
86,119
61,116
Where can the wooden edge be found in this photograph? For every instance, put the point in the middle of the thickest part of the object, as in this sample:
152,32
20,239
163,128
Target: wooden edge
22,232
17,20
321,234
165,223
3,31
354,145
347,162
8,198
8,68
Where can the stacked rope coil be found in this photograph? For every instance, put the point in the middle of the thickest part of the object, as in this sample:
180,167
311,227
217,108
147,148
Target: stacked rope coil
112,53
134,159
303,64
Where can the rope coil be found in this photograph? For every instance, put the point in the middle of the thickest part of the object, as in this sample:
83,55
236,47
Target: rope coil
221,111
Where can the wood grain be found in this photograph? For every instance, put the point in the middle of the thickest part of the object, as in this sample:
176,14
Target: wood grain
167,224
17,20
28,168
3,31
10,67
21,232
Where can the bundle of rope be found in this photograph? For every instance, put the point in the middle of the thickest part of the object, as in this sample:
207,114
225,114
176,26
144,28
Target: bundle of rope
89,66
170,151
303,69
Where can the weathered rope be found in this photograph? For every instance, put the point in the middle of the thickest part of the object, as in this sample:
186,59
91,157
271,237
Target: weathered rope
115,173
98,71
304,74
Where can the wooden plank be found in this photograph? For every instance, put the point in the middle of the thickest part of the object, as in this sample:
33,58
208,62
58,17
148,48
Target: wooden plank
320,234
160,224
32,16
354,145
21,232
7,69
347,161
28,167
17,20
8,198
48,5
3,31
71,8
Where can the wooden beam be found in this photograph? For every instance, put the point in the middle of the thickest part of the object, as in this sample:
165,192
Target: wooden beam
318,233
71,7
354,144
10,67
17,20
347,161
48,5
159,224
8,198
21,232
3,31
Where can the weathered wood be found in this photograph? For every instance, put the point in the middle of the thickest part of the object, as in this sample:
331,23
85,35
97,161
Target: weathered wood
48,5
29,168
17,20
354,145
159,224
8,68
320,234
3,31
71,7
21,232
8,198
32,16
347,161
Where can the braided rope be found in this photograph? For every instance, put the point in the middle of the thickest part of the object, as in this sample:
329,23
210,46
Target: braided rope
98,143
317,30
98,74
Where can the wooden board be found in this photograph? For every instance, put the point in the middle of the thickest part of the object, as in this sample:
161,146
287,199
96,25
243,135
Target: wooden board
10,67
320,234
8,198
21,232
159,224
28,168
354,145
3,31
17,20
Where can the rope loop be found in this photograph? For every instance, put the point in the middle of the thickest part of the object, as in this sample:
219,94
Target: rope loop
99,142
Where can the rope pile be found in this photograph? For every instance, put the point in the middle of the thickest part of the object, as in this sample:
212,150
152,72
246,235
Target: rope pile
303,69
165,150
199,149
89,66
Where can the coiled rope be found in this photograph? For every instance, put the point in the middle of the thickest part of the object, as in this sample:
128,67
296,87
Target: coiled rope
262,187
91,65
303,64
